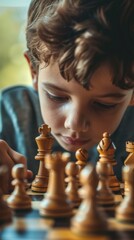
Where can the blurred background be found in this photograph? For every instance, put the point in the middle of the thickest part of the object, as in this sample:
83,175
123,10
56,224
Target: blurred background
13,67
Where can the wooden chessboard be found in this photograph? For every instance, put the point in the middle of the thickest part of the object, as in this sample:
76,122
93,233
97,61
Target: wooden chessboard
29,225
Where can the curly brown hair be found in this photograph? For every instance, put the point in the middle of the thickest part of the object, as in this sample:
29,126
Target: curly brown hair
81,35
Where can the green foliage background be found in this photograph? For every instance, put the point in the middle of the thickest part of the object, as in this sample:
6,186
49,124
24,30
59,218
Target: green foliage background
13,67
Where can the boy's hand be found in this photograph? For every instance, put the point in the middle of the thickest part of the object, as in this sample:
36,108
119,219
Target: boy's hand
9,157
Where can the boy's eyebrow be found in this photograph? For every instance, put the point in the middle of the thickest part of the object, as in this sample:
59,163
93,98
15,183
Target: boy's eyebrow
113,95
53,86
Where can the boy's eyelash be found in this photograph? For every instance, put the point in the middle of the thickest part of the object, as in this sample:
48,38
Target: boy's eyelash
56,98
105,106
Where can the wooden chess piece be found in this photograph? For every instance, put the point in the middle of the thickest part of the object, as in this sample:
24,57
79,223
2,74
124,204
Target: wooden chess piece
44,142
125,211
81,160
106,150
55,203
88,219
81,156
72,171
129,161
105,196
5,211
19,199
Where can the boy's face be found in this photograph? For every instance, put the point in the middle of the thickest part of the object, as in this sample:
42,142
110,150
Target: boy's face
78,117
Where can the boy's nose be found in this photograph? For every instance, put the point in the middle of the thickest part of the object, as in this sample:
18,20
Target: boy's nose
76,122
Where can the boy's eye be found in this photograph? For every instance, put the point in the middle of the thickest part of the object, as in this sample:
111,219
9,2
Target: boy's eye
105,106
57,98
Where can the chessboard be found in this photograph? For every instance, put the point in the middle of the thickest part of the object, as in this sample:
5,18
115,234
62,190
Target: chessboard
29,225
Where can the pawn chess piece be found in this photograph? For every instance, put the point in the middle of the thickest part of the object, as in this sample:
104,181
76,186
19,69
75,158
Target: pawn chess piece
5,211
44,142
88,218
129,161
19,198
105,196
56,203
72,171
106,150
81,156
125,211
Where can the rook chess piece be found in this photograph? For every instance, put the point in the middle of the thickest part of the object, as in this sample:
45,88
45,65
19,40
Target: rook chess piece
106,150
88,218
5,211
44,142
125,211
55,203
19,198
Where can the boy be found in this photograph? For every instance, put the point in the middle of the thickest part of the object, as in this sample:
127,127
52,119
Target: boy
81,56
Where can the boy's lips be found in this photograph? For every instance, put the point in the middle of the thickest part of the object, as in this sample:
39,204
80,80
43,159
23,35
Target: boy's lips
74,141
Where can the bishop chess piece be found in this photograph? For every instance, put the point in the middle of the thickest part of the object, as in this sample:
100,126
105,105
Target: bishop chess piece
88,219
129,161
19,199
105,196
56,203
106,150
44,142
72,171
5,211
125,211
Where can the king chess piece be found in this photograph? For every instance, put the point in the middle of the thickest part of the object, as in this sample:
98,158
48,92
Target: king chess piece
106,149
44,142
56,203
5,211
129,161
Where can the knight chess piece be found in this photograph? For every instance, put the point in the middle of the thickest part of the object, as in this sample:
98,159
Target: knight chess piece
56,203
44,142
106,149
19,199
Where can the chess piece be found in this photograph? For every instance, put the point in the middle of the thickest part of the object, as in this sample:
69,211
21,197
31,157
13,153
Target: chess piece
88,219
81,156
105,196
129,161
106,150
56,203
44,142
19,198
125,211
72,171
5,211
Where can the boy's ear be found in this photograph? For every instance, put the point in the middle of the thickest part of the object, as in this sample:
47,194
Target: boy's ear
33,72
